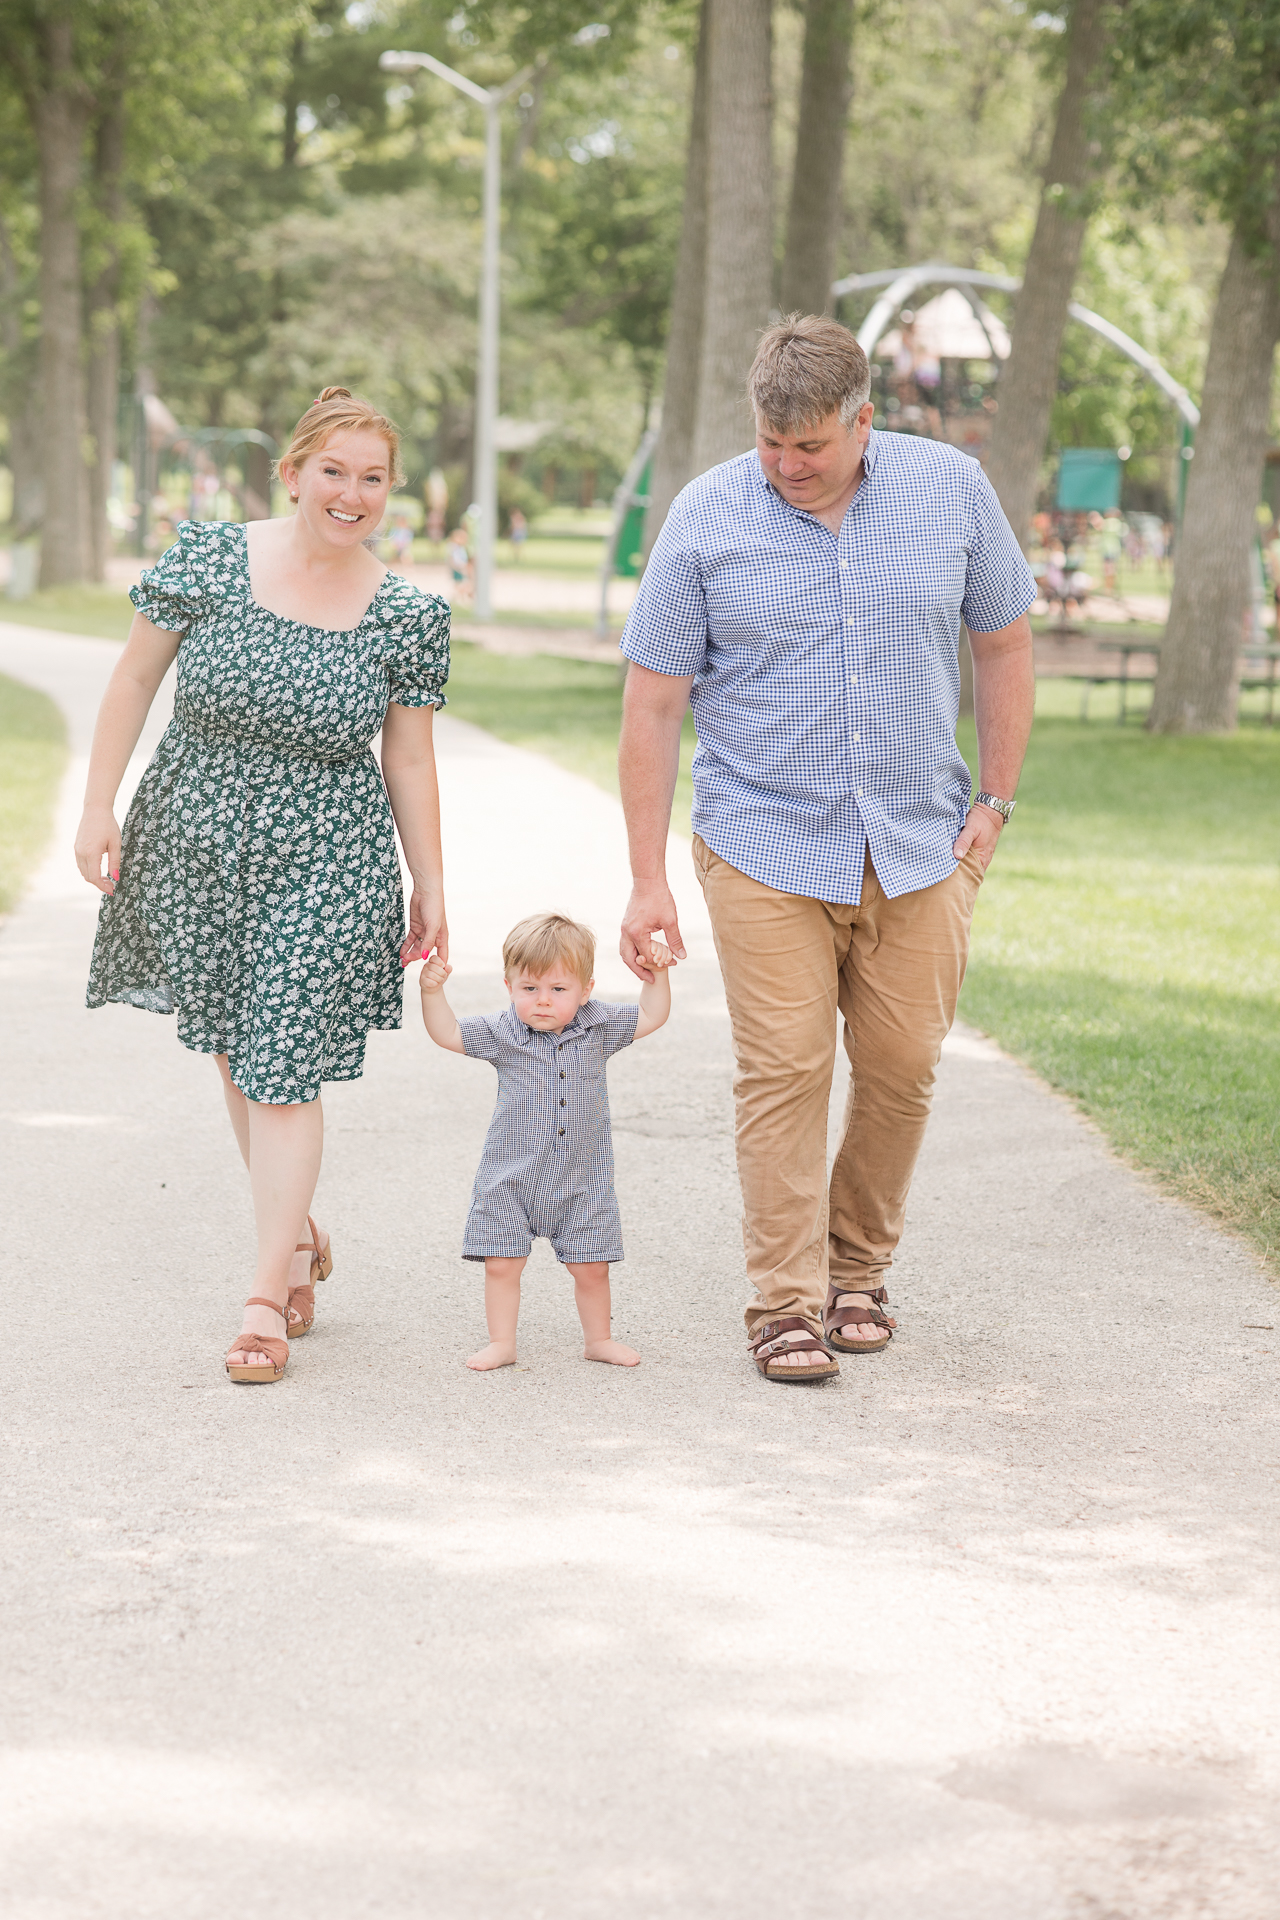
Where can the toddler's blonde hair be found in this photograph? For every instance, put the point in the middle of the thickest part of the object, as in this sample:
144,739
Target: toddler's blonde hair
547,940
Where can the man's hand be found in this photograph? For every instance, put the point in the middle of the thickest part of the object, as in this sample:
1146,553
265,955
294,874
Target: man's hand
981,830
651,909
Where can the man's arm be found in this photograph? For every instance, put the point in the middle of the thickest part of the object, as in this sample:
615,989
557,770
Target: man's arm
1004,704
653,709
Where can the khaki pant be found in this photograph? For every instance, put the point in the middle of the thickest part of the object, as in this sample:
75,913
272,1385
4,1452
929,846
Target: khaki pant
893,968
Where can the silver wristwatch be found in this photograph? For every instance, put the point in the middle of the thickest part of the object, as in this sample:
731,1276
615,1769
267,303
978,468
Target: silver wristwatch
1003,807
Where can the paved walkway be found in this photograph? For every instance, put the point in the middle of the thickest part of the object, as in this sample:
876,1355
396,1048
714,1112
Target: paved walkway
985,1630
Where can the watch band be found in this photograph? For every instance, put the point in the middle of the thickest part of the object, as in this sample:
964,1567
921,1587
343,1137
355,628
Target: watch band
1003,807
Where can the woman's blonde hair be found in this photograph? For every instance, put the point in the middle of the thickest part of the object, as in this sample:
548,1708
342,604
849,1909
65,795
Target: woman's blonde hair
338,410
547,940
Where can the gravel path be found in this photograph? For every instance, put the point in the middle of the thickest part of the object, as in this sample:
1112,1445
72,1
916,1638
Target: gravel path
983,1631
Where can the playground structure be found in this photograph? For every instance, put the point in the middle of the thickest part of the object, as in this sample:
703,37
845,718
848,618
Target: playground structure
899,284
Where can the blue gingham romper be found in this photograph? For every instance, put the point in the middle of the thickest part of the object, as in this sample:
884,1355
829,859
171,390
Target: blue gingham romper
547,1168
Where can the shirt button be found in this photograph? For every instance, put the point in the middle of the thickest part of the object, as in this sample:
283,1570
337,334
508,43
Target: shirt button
853,679
856,738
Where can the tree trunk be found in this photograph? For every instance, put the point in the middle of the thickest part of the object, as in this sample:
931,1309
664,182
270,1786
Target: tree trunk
21,400
104,331
813,221
1196,687
60,112
739,252
1030,376
673,455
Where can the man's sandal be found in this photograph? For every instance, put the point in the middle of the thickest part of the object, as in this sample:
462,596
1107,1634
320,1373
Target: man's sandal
834,1317
790,1335
277,1351
302,1300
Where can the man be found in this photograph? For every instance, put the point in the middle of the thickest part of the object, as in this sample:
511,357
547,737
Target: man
808,598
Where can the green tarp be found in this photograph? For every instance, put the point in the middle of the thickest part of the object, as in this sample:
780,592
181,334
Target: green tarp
1088,480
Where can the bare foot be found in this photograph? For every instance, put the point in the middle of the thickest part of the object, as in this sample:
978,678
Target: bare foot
496,1354
612,1352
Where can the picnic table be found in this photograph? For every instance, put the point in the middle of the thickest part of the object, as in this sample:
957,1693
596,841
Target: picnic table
1121,677
1266,673
1269,653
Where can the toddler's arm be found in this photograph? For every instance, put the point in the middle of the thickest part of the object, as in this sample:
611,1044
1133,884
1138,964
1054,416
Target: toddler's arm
655,994
438,1016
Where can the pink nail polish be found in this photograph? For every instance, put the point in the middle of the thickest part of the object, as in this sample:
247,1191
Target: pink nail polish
115,873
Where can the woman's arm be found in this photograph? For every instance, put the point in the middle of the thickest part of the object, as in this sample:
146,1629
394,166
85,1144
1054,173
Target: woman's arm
409,769
149,653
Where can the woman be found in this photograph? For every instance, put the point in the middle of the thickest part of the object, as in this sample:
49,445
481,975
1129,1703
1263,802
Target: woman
255,890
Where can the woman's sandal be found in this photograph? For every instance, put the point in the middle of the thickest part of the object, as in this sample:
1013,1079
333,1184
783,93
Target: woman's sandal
834,1317
277,1351
302,1300
776,1337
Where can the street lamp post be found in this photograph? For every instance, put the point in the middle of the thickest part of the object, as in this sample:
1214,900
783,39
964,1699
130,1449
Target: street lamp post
492,99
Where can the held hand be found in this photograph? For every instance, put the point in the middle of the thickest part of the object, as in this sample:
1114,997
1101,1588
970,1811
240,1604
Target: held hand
981,830
98,838
651,909
428,927
659,957
435,972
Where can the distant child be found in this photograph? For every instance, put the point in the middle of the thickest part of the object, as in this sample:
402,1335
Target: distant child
547,1168
401,541
460,561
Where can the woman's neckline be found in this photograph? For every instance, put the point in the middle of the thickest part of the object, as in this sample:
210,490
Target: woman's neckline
311,625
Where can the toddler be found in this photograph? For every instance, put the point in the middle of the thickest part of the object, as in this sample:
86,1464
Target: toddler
547,1167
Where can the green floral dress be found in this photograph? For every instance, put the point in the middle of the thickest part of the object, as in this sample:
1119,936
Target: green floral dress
259,896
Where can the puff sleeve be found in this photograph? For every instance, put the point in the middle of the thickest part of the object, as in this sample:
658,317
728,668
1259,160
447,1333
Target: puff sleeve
418,656
185,581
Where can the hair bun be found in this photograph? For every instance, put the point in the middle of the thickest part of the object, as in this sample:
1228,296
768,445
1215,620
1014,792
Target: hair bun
334,393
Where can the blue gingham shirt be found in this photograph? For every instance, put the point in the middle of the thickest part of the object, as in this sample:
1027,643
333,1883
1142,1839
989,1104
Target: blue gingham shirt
826,673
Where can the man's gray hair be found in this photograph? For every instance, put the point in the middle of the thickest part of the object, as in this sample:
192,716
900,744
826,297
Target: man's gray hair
806,368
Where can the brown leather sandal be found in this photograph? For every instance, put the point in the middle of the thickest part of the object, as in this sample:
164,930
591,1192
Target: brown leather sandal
302,1300
779,1336
834,1317
277,1351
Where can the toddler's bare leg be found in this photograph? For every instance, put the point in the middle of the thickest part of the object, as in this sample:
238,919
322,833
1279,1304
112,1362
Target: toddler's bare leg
591,1292
501,1311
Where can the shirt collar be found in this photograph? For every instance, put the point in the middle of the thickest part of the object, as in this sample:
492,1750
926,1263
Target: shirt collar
868,467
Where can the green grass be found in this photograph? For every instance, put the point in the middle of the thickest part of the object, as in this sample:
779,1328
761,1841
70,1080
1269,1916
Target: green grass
104,612
567,709
33,753
1127,946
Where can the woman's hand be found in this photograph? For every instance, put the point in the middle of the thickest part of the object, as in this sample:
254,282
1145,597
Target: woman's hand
428,927
96,836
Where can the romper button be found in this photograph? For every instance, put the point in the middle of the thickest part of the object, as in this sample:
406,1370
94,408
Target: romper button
562,1133
562,1103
